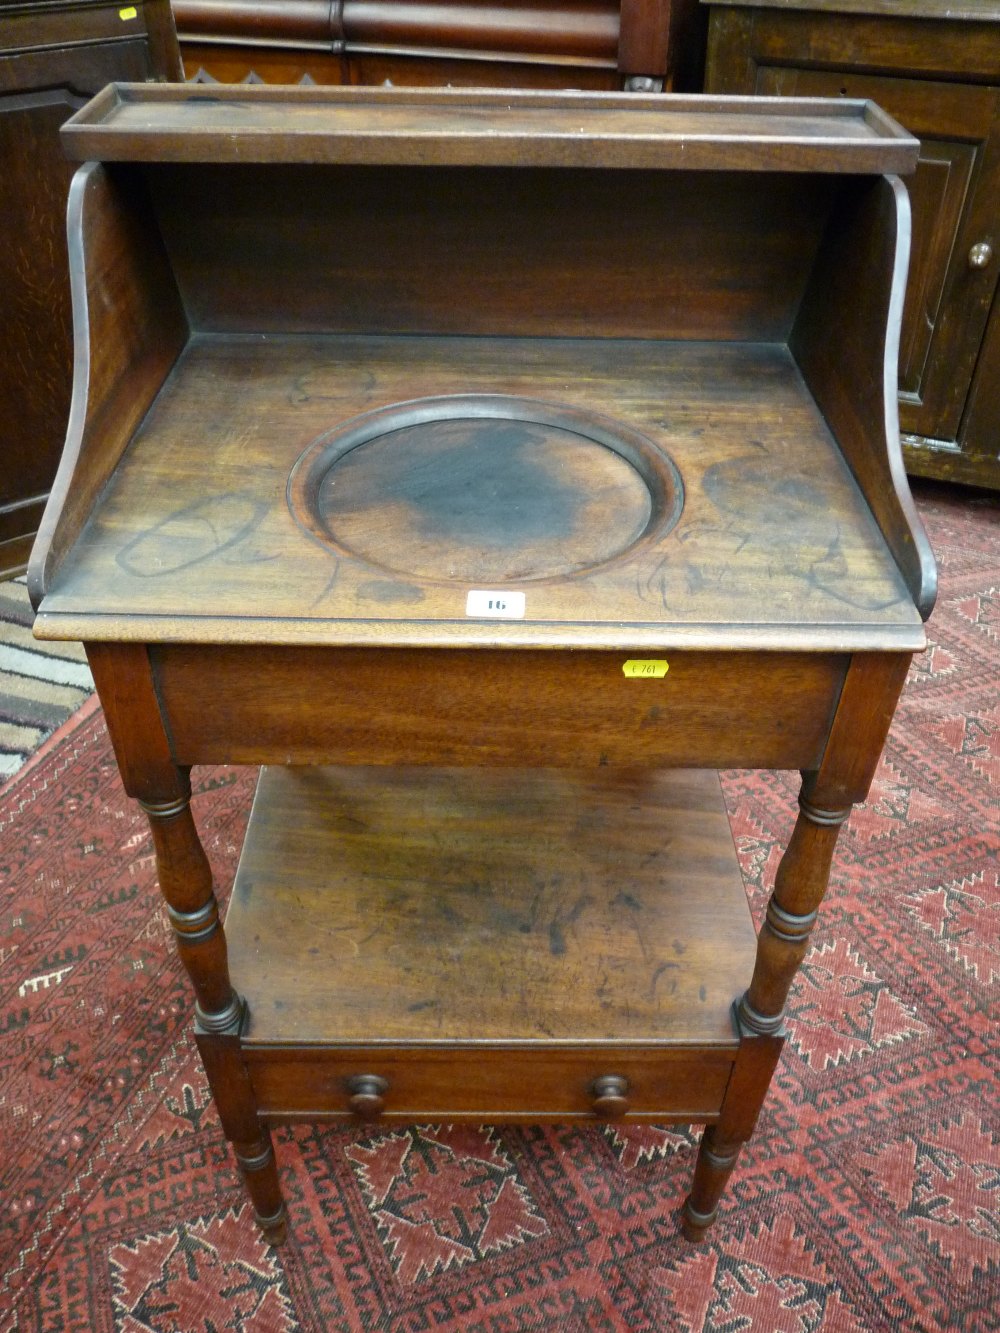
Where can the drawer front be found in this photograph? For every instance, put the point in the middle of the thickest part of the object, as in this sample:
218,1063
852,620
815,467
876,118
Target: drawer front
491,1084
520,708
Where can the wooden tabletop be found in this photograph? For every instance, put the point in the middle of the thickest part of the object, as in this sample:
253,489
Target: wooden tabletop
773,543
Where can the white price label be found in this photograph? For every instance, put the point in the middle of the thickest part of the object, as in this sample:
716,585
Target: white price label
495,605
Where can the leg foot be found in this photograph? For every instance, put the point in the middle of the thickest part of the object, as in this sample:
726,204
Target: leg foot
714,1167
695,1224
274,1229
260,1172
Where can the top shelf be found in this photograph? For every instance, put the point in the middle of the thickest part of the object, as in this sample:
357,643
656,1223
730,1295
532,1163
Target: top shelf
454,127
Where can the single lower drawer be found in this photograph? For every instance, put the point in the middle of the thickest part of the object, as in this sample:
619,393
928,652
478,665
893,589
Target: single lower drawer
491,1083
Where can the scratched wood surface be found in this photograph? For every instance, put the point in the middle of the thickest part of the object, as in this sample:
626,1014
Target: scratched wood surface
195,525
377,905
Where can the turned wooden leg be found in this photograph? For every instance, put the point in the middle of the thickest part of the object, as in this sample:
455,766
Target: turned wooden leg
857,734
716,1159
237,1105
256,1161
186,883
124,677
783,941
781,945
721,1143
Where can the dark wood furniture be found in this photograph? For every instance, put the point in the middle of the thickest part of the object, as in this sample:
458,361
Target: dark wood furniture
389,471
591,44
935,66
54,56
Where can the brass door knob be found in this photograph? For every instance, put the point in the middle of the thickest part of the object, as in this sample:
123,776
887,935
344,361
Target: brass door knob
366,1095
608,1096
980,255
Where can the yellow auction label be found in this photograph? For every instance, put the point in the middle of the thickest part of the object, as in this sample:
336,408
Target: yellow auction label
645,668
130,13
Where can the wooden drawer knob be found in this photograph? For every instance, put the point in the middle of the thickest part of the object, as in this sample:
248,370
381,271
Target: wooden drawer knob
366,1095
608,1094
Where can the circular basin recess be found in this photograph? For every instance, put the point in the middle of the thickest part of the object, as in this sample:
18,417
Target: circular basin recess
484,489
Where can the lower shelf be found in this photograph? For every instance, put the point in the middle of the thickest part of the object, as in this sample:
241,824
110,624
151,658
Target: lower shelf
489,943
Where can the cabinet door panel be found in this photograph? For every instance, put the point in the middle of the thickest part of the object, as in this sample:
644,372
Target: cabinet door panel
824,35
35,333
938,193
980,456
956,183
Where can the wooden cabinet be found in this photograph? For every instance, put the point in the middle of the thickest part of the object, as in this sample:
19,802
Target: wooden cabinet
590,44
936,68
53,57
490,540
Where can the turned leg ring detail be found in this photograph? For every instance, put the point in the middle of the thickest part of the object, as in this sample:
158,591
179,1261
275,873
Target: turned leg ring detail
823,818
193,927
786,925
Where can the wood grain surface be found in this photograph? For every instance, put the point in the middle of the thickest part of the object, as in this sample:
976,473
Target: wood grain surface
520,707
190,534
484,251
263,123
128,328
498,1083
53,57
381,906
848,351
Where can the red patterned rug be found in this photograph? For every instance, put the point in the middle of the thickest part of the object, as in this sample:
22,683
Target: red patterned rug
869,1199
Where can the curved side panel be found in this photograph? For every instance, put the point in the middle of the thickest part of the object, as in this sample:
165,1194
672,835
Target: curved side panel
846,342
917,563
40,562
128,329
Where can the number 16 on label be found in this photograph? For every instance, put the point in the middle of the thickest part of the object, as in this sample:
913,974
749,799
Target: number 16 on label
492,605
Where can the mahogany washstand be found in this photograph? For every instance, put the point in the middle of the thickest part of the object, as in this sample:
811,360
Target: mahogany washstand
492,468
